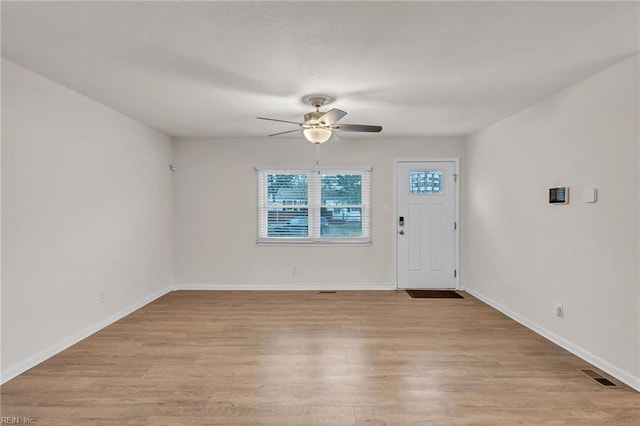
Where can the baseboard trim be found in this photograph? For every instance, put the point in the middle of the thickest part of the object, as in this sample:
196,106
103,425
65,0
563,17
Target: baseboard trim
32,361
36,359
606,366
47,353
286,287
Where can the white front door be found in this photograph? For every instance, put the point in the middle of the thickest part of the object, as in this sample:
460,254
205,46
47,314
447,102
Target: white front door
426,224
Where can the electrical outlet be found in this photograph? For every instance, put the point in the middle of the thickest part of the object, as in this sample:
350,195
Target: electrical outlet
558,310
103,296
295,270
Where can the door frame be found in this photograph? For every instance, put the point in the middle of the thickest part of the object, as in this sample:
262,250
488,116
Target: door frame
456,213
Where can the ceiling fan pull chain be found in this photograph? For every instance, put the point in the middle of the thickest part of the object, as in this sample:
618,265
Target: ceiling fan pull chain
318,158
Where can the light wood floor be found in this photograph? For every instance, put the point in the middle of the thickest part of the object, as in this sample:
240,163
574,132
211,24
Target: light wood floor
304,358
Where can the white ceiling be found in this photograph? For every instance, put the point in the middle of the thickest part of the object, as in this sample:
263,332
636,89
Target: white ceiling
207,69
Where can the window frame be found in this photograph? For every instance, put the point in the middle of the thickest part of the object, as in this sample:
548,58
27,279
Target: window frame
314,206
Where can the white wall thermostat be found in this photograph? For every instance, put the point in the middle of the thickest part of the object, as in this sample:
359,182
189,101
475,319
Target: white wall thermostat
559,195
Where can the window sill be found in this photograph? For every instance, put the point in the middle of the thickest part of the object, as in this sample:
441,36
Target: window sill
313,242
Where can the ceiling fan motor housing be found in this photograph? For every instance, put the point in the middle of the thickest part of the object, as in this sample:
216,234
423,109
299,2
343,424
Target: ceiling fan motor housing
312,117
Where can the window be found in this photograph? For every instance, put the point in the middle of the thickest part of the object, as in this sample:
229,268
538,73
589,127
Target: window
307,206
428,182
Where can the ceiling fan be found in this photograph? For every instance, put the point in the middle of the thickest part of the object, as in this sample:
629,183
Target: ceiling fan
318,126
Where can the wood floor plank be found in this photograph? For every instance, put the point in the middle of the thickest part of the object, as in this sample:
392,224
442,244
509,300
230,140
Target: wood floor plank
303,358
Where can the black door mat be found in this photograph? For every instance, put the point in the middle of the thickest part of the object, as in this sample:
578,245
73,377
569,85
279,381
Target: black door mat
434,294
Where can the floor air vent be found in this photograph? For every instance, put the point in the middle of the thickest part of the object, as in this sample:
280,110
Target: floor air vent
604,382
598,378
326,292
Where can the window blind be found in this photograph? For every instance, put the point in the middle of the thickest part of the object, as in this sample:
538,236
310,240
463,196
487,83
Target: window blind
311,206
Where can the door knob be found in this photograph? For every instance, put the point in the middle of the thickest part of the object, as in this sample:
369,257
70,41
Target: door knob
401,232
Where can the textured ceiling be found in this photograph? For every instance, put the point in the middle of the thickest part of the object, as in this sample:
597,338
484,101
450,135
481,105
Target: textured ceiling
207,69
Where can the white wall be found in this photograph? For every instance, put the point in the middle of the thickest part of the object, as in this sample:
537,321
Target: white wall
524,255
86,198
215,212
1,374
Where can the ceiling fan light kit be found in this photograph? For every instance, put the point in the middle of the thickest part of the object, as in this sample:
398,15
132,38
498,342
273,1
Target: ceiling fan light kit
318,126
317,135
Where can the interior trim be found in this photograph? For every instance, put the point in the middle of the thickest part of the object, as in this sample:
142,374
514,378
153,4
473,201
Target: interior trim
606,366
287,287
19,368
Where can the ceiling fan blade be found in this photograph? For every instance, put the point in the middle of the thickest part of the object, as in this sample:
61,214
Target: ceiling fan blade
334,137
332,116
282,133
282,121
356,128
